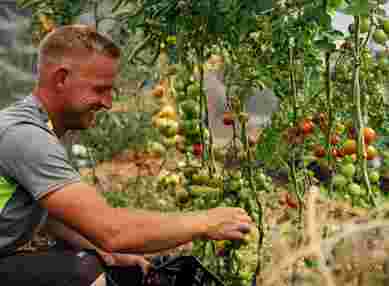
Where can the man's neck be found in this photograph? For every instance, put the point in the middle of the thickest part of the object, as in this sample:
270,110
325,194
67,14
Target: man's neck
51,107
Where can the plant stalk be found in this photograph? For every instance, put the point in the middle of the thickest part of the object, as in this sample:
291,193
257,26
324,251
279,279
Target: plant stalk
358,113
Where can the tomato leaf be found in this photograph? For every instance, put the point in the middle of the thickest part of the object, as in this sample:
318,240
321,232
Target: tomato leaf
357,8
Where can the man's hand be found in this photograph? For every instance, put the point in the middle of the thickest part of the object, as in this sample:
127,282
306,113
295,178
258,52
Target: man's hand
124,260
227,223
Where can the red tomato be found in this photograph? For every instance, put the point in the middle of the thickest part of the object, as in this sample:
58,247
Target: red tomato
319,151
335,139
306,126
198,149
228,118
371,153
369,135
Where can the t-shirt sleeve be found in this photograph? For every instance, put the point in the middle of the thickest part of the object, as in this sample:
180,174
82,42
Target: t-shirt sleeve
36,160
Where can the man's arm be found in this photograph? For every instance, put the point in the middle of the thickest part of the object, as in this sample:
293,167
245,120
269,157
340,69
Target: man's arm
63,232
117,229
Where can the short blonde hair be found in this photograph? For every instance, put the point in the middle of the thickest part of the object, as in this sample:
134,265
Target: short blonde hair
72,40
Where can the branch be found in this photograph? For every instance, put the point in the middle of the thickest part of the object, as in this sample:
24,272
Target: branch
138,48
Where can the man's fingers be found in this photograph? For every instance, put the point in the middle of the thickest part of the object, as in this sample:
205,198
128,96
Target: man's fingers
245,218
244,228
235,235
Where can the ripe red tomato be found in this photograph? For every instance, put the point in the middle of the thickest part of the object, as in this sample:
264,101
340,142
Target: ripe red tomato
228,118
158,91
371,152
335,139
350,147
319,151
335,153
306,126
369,135
198,149
291,202
340,153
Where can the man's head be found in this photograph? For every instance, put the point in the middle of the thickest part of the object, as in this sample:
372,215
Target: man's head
77,67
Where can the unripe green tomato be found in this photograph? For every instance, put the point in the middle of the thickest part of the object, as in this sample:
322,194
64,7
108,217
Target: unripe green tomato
245,275
355,189
348,170
261,177
191,108
374,177
339,181
236,185
193,90
340,128
179,85
380,37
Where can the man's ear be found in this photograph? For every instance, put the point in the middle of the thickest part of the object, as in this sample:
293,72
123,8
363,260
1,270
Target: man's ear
60,76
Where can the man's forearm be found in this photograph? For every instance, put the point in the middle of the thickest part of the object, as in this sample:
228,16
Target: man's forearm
155,231
70,236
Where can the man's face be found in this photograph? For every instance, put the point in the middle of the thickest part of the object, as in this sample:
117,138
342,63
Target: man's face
88,89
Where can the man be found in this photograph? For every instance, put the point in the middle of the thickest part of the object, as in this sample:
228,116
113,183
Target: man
76,72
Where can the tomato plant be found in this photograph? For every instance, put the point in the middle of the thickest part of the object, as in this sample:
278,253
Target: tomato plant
332,106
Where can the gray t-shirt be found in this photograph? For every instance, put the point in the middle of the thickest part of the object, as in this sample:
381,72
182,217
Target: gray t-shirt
33,163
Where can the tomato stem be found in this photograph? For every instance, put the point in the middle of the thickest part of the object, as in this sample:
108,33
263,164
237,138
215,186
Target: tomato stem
358,112
330,118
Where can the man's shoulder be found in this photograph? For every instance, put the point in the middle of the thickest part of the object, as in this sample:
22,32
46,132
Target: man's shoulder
23,117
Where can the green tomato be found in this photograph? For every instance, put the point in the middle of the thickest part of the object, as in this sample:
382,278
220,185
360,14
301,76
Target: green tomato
261,177
156,148
245,275
380,37
339,181
382,62
191,108
236,185
191,127
374,177
355,189
179,85
340,128
193,90
348,170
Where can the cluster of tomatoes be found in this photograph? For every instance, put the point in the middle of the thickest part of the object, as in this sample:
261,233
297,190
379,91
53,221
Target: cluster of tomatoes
194,186
188,92
344,149
166,121
348,147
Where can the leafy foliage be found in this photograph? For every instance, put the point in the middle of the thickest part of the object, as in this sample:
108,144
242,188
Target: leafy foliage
130,130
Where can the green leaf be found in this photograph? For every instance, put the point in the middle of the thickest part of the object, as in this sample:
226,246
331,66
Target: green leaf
325,44
263,6
325,20
357,8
